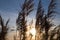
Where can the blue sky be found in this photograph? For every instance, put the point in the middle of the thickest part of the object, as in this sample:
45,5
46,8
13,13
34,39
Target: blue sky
11,8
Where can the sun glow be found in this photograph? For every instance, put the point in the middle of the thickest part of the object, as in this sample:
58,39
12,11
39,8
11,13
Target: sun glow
33,31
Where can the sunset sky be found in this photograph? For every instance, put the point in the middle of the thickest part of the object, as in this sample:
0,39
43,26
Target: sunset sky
11,8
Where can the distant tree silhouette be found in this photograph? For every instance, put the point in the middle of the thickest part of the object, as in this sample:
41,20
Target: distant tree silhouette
4,28
21,22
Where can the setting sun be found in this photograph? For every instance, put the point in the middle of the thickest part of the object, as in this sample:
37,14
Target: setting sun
33,31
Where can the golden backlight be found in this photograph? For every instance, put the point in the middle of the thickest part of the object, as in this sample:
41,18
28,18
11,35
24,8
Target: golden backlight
33,31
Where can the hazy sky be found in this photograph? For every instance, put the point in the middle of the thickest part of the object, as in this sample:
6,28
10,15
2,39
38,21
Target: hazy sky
11,8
